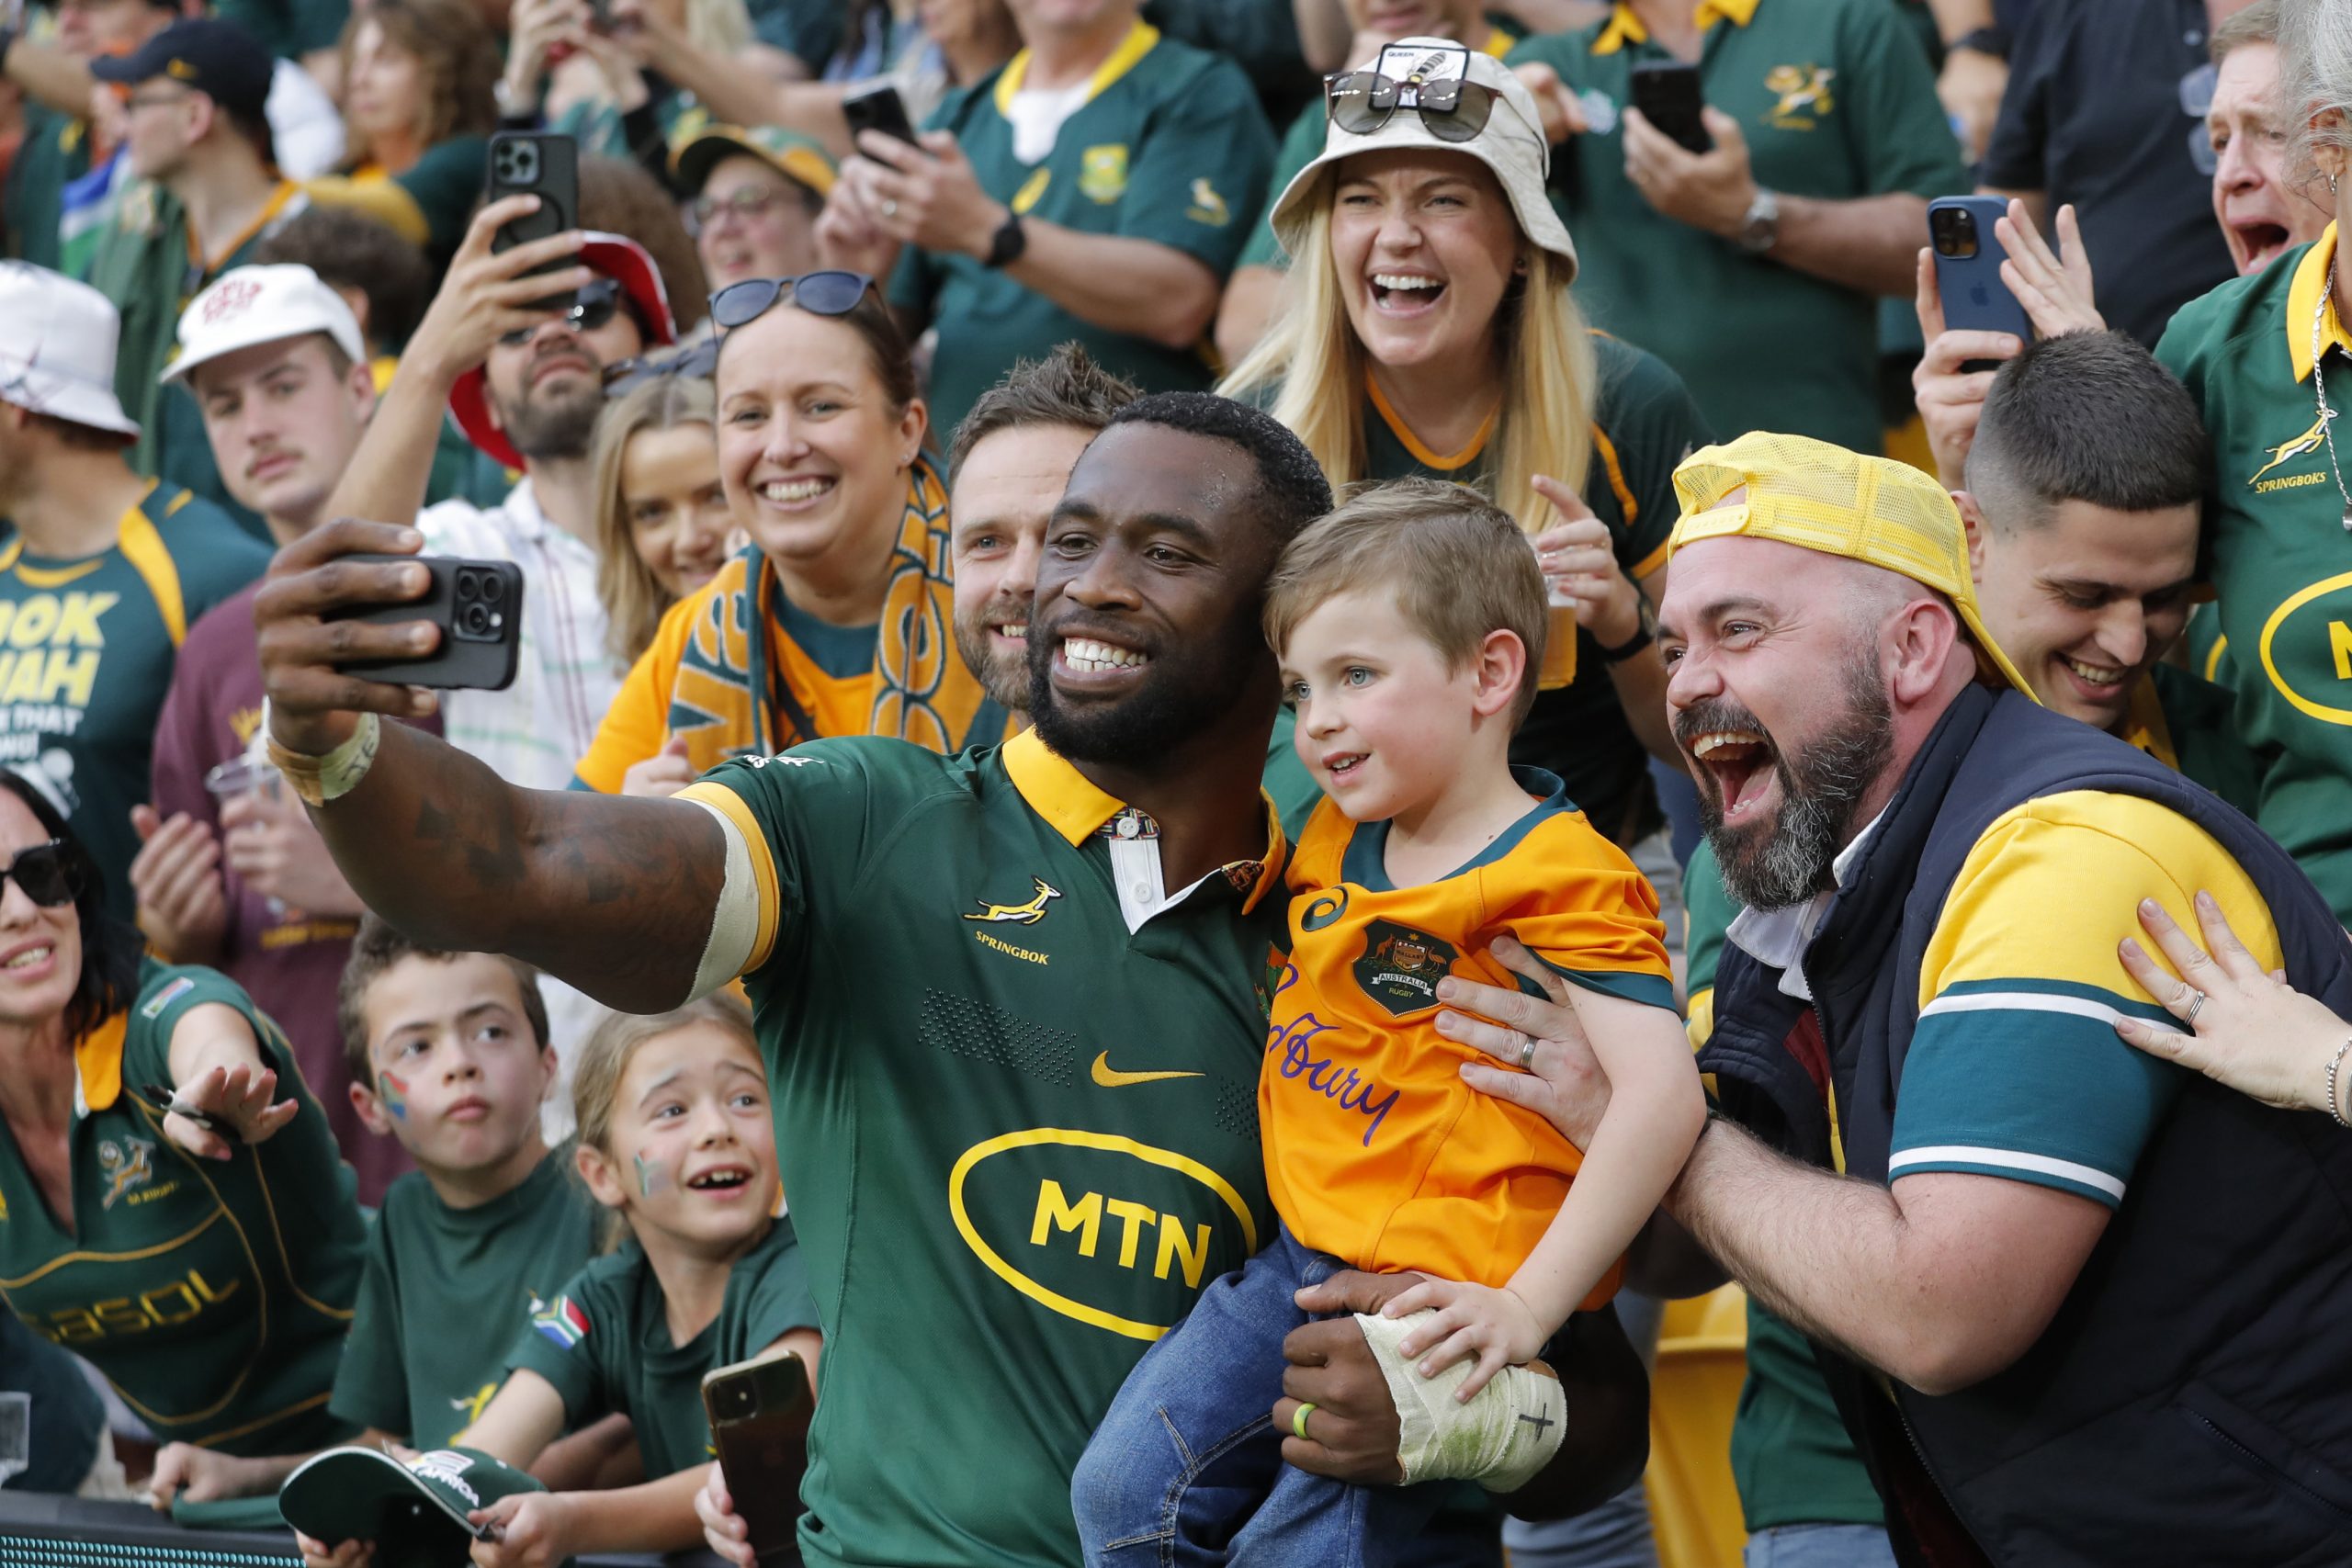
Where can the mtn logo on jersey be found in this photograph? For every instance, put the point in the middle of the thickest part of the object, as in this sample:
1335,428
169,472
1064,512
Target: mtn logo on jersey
1023,914
126,1165
1111,1232
1400,967
1804,96
564,1322
2287,451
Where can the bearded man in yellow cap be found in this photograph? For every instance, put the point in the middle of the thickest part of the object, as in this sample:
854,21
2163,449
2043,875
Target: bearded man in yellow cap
2072,1299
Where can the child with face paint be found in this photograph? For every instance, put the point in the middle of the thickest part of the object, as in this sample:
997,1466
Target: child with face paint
677,1144
448,1055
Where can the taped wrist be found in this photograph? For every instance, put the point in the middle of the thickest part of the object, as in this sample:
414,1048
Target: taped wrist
1501,1439
735,924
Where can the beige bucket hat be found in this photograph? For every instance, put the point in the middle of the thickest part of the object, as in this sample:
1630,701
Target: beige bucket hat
1511,143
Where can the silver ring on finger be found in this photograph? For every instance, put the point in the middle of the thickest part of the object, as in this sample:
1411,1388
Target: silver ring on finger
889,208
2189,1017
1526,1051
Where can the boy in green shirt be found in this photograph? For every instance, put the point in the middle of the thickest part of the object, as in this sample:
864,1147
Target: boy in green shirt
449,1054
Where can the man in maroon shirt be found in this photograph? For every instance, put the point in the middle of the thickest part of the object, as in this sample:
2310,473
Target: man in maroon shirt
236,877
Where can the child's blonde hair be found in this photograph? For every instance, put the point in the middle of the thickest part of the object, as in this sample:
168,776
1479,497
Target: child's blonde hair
596,1081
1460,568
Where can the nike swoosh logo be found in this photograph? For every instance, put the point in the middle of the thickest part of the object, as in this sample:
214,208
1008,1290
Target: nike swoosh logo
1110,1077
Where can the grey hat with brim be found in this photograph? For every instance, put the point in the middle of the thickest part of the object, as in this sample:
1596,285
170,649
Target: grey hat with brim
1511,145
414,1510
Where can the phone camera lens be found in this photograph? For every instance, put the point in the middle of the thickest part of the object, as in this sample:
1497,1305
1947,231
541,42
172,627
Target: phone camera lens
493,588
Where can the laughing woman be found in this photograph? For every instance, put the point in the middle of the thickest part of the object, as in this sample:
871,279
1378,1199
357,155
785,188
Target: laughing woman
208,1270
836,621
1427,328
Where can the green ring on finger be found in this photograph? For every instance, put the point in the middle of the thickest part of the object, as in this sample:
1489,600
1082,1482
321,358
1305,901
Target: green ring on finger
1298,1420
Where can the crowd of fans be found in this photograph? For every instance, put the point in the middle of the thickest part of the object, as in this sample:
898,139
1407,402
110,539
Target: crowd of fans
857,928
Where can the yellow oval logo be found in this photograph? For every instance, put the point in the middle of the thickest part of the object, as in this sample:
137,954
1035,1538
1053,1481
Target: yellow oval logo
1099,1216
2318,644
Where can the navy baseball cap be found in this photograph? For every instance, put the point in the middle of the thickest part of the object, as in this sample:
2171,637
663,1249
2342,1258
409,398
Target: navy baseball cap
219,58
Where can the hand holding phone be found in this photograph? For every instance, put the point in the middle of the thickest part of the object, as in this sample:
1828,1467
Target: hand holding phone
536,164
1968,266
759,1422
477,605
875,106
1669,97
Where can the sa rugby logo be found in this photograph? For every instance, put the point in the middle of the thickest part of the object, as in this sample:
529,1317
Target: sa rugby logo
1102,173
1804,96
1400,967
2287,451
126,1165
1026,914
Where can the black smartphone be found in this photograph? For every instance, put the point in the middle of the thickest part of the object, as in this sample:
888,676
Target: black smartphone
478,604
1669,97
875,106
758,1423
542,164
1968,267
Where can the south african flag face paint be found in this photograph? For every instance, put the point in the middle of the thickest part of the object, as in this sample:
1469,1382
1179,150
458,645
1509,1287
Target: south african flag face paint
650,1176
392,1090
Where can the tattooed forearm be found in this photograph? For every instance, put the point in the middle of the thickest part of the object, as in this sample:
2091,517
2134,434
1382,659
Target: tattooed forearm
613,894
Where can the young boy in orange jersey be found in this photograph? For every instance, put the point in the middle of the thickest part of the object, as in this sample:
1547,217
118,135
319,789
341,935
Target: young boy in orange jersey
1410,624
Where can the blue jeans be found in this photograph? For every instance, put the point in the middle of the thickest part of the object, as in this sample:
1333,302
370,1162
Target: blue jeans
1820,1546
1186,1471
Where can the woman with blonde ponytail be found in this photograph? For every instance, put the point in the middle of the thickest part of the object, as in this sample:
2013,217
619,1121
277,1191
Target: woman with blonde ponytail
1426,327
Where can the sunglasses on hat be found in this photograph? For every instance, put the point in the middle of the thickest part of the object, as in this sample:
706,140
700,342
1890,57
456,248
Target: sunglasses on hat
47,873
1360,102
831,292
591,307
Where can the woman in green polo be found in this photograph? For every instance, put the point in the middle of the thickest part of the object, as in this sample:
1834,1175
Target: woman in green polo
2268,358
1426,327
207,1269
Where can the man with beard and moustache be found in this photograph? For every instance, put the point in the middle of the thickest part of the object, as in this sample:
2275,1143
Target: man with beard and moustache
2068,1299
1011,1001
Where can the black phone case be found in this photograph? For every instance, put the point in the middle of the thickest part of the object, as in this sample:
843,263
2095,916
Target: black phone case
540,163
478,604
759,1412
878,108
1669,98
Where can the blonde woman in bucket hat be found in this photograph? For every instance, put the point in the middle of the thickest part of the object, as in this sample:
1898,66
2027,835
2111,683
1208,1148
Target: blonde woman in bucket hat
1427,327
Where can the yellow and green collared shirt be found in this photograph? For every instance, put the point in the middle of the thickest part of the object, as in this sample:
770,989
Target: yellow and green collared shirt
87,649
214,1295
1007,1119
2279,558
1836,102
1168,146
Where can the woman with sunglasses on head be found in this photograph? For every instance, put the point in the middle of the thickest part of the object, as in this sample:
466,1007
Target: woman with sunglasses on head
835,621
176,1210
1426,329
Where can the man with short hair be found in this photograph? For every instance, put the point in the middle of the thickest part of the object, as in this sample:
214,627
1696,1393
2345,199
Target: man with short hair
2065,1295
1098,188
242,883
1116,860
102,575
60,182
2082,508
196,126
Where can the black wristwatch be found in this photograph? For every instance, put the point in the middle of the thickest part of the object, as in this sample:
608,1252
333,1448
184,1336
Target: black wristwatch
1994,41
1009,240
1645,634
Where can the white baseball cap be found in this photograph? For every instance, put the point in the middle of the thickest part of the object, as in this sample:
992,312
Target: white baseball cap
57,358
262,304
1510,143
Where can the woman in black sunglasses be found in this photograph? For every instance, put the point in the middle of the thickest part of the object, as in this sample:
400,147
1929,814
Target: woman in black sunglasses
1427,329
175,1208
836,620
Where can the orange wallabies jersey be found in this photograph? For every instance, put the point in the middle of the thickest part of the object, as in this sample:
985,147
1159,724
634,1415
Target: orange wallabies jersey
1376,1151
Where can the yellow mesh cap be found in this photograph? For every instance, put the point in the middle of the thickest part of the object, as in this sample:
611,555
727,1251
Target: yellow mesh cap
1820,497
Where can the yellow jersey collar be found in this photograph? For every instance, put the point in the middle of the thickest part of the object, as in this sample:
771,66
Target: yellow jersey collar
1623,28
1077,808
1445,462
1134,47
2144,726
98,1064
2311,275
206,265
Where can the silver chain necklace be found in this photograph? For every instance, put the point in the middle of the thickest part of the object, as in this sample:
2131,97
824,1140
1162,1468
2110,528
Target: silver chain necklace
2326,413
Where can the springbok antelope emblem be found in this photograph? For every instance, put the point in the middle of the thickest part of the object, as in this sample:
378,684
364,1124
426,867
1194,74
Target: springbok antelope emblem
1027,914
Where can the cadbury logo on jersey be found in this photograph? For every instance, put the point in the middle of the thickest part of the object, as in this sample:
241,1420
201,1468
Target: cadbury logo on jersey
1098,1228
1400,967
